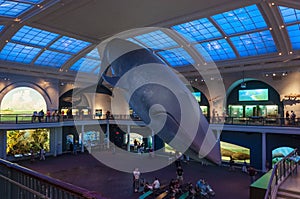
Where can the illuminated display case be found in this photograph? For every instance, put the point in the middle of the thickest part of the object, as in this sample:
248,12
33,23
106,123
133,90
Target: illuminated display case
20,142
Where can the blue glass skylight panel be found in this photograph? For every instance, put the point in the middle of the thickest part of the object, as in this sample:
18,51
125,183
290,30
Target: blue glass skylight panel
1,27
240,20
136,42
85,65
13,9
34,36
197,30
97,70
156,40
289,15
52,59
18,53
216,50
294,32
70,45
176,57
32,1
254,44
93,54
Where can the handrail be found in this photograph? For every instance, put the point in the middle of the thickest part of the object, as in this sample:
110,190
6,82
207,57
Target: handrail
281,171
14,173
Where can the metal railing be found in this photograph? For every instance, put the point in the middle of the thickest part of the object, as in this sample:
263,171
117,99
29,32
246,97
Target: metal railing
259,121
281,171
17,182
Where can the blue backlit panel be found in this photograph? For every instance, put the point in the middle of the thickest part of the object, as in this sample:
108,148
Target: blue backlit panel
18,53
240,20
136,42
176,57
32,1
197,30
289,15
69,45
34,36
294,32
254,44
156,40
52,59
94,54
216,50
13,9
85,65
97,70
1,27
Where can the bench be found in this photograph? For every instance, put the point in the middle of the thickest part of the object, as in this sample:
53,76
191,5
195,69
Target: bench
146,194
162,195
184,195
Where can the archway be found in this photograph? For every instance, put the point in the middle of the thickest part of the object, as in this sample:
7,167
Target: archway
22,100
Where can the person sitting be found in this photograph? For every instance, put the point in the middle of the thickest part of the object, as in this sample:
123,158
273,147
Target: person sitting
156,184
147,187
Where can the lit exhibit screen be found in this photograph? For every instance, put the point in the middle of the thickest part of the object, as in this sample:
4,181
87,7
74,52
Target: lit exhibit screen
254,95
197,95
238,153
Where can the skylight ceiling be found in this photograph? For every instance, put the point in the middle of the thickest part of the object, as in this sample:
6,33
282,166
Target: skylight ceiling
243,33
31,45
16,8
291,18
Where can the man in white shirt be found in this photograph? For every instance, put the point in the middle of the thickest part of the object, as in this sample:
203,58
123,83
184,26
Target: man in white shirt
156,184
136,179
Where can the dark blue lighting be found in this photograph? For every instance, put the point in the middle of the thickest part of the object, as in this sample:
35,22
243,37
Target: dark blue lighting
176,57
19,53
85,65
52,59
294,32
69,45
289,15
258,43
156,40
34,36
216,50
197,30
240,20
13,9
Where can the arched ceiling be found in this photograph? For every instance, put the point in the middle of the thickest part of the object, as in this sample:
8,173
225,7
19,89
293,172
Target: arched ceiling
57,38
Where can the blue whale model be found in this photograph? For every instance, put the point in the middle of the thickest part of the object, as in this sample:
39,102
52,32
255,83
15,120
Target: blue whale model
160,98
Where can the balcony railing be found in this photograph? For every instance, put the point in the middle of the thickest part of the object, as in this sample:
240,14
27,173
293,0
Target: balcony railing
255,120
20,183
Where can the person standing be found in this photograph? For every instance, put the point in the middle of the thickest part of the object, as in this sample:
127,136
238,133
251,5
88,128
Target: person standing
179,172
136,179
42,153
287,117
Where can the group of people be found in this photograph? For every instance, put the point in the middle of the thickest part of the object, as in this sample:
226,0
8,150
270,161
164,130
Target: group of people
42,153
290,118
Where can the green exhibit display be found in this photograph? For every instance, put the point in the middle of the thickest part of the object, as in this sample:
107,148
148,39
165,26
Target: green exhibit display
20,142
238,153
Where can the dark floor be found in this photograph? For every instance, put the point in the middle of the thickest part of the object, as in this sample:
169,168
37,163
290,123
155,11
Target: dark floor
85,171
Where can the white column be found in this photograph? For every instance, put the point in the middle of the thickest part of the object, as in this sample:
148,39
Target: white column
128,137
3,140
107,132
82,131
263,151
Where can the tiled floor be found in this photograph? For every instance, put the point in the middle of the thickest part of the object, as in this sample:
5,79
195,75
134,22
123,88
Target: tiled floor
85,171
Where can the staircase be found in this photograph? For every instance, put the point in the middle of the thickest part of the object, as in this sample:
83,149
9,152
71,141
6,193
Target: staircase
290,188
288,194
